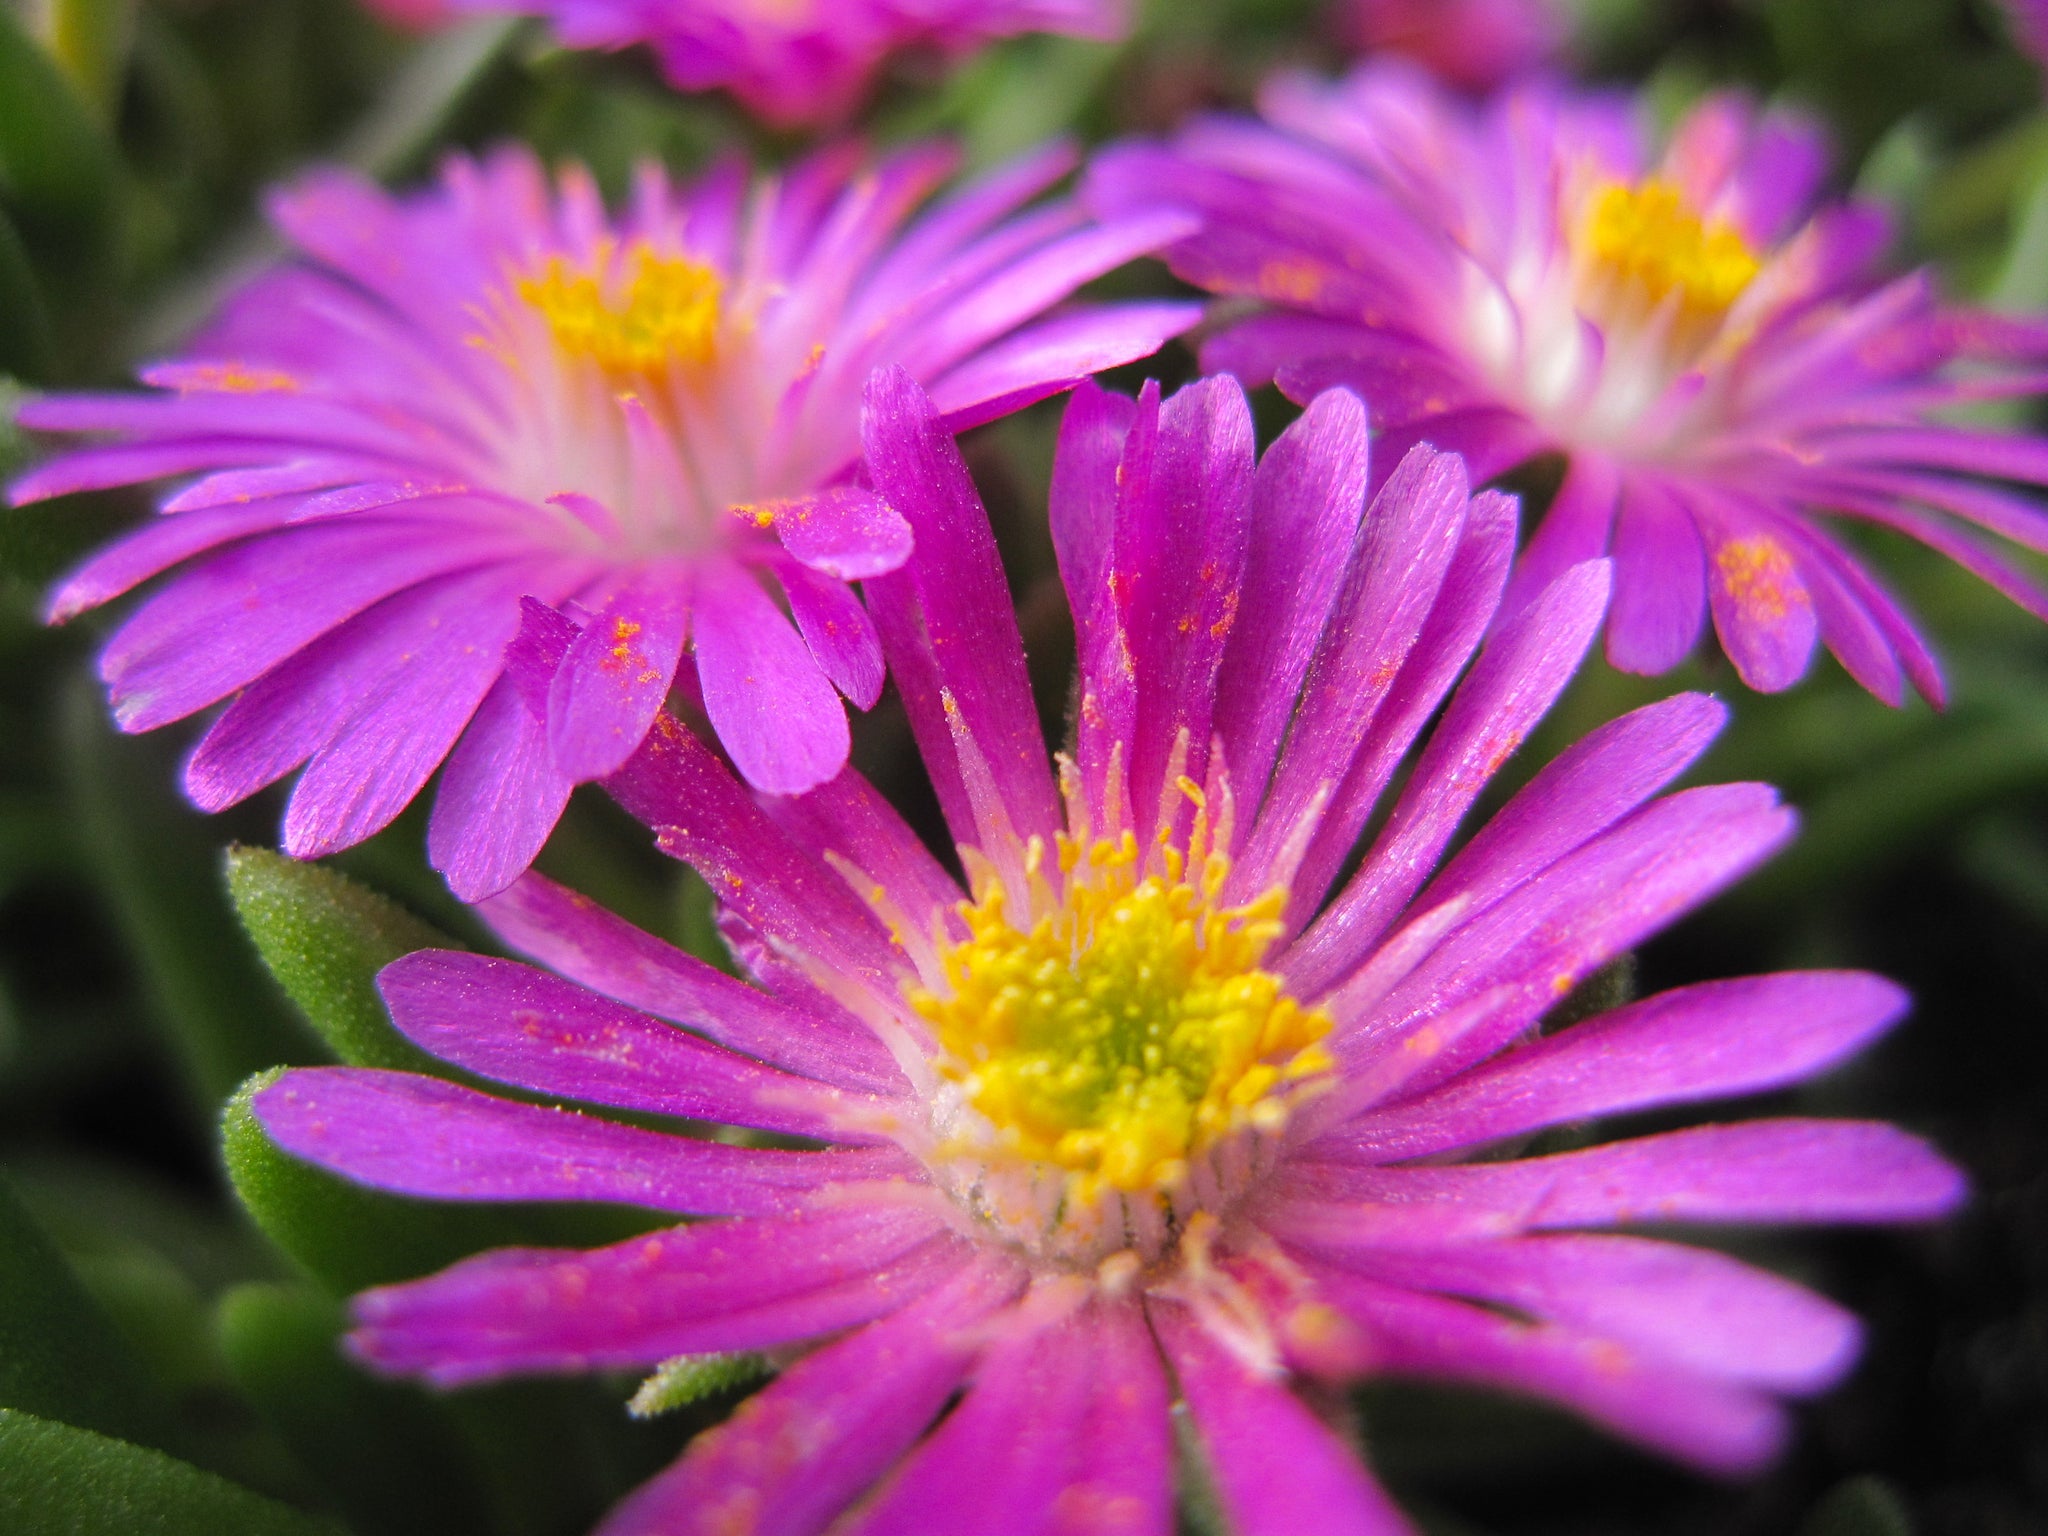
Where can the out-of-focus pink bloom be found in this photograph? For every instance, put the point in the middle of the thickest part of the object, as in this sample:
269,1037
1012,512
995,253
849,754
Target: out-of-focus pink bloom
1166,1086
415,15
1476,44
1720,357
493,390
798,62
2028,20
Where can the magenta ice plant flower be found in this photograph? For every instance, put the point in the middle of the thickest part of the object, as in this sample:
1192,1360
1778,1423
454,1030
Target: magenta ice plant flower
1162,1103
800,62
1715,352
1476,44
492,390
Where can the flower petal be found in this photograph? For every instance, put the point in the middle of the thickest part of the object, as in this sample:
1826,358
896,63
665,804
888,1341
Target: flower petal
1279,1471
801,1449
714,1286
572,935
771,706
947,622
844,532
1714,1040
514,1024
436,1140
617,672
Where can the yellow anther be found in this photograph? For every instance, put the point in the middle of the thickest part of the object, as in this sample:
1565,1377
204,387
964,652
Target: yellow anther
632,314
1648,242
1129,1028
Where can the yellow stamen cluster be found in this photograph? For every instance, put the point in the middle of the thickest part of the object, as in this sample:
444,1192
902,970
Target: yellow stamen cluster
1130,1027
634,314
1649,243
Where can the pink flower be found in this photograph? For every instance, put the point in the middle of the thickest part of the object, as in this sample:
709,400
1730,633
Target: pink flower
798,62
1475,44
1163,1102
492,390
1716,354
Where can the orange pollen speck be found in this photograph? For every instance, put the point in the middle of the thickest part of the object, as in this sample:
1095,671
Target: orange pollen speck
1758,574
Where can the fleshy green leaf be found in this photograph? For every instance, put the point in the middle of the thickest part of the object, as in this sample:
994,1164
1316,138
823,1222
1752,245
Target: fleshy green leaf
155,860
388,1457
60,1356
347,1236
55,161
324,938
59,1480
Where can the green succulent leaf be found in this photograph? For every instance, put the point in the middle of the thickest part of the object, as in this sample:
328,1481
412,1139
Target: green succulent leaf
56,161
60,1480
387,1456
60,1355
325,937
154,859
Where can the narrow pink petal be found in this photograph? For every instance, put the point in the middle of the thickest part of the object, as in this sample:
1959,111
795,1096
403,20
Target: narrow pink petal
617,672
713,1286
153,549
435,1140
1533,946
1463,612
1576,528
804,1447
1518,677
702,815
1710,1041
394,738
1054,354
1762,609
1183,526
579,939
1413,530
1690,1307
1660,582
946,619
845,532
514,1024
1082,502
1578,795
304,702
1308,500
849,818
1757,1171
1708,1424
1277,1468
770,704
175,655
500,796
837,629
1010,1458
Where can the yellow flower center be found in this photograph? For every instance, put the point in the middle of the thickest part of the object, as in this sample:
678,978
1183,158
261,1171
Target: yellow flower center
1130,1027
633,315
1647,243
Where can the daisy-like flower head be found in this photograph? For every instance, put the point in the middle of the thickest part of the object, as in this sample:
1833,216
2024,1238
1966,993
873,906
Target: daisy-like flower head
1476,44
493,390
1715,354
1161,1104
797,62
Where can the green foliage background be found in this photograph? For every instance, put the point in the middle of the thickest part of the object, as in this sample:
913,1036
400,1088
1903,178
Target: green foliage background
170,1284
